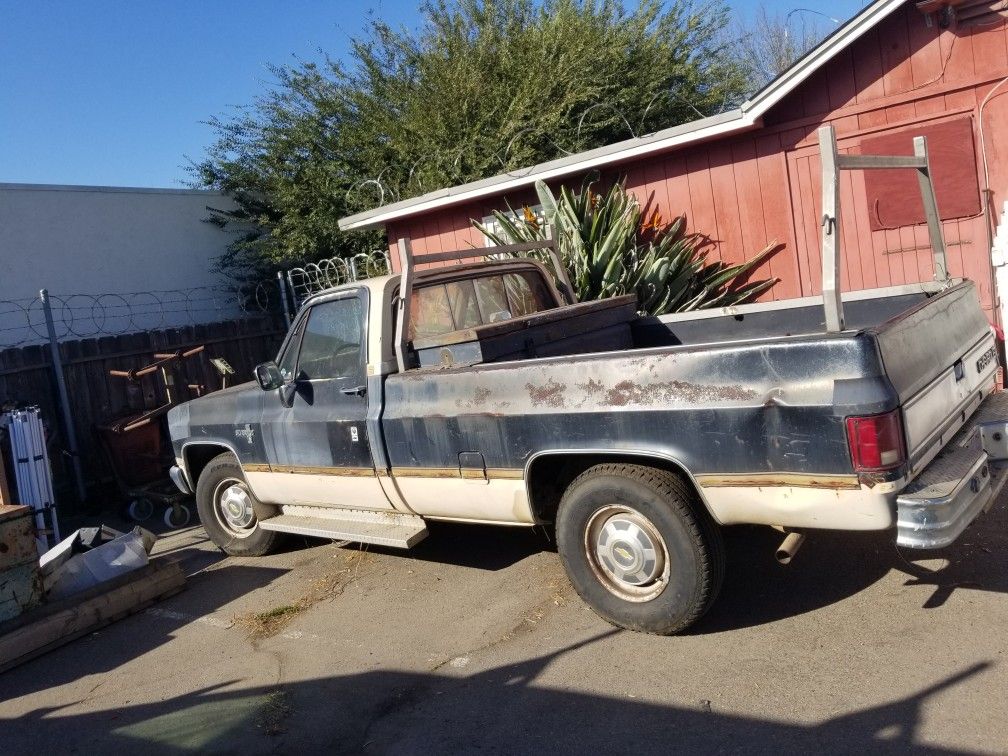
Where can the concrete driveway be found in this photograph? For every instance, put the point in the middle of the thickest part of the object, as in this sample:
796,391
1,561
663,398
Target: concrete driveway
475,642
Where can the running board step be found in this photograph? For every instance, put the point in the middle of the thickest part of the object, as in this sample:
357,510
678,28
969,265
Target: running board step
394,529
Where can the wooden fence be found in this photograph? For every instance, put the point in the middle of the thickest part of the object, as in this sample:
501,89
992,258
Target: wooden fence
27,378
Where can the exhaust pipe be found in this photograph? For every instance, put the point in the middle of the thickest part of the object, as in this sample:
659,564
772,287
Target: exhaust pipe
789,547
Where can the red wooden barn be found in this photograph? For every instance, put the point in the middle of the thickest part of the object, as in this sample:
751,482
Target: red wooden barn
899,68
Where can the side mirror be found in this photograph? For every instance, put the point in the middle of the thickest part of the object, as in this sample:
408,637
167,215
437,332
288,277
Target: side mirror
268,375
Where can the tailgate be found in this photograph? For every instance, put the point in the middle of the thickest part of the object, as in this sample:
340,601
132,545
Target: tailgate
939,357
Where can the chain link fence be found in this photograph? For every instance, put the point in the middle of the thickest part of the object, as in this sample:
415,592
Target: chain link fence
56,349
83,316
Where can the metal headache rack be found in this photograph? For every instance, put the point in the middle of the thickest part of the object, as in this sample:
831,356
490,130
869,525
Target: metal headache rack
407,266
832,164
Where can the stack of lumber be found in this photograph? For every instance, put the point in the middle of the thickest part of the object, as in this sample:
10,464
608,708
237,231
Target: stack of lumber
57,622
20,583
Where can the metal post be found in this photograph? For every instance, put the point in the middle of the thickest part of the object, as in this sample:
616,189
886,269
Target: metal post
405,296
832,303
283,297
68,422
931,210
293,294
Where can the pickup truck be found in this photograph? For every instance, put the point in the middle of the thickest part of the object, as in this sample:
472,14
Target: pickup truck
475,393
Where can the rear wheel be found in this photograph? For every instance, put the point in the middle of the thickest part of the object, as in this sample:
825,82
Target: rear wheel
227,509
639,547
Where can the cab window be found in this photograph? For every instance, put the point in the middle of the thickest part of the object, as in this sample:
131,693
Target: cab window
331,342
472,302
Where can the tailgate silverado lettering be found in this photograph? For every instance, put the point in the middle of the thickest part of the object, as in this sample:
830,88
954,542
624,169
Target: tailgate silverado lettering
985,359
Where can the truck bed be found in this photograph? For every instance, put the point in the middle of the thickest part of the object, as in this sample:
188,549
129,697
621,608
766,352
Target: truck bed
612,325
732,406
797,317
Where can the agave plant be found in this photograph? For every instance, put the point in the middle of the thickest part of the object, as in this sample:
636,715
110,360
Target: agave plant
609,251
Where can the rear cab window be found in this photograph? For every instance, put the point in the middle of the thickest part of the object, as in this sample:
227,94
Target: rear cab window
441,308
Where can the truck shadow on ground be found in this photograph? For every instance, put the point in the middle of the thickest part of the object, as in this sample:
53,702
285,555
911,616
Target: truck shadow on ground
500,710
829,568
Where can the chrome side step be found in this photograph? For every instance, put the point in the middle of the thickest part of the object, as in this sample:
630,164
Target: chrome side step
393,529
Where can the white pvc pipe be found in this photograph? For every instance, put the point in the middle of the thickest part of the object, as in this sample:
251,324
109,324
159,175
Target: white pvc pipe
32,471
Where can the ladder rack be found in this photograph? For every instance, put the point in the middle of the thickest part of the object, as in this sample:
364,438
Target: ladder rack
832,164
407,266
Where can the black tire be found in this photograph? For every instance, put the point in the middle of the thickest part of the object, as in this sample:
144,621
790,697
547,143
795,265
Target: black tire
623,511
222,472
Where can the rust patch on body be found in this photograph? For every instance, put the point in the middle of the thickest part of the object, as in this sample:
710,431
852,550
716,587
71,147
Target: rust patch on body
592,387
480,395
551,394
779,479
662,392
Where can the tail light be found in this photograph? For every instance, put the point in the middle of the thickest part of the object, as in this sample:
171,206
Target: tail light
876,441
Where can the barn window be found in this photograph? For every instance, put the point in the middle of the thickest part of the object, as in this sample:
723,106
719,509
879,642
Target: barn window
894,195
965,13
490,222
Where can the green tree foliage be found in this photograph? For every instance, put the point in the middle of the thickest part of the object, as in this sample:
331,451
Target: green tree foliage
481,87
610,245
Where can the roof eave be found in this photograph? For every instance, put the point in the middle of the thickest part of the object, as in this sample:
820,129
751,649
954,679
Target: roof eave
746,117
706,128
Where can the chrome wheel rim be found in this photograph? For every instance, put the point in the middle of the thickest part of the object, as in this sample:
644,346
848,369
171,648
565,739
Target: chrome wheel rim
233,507
627,553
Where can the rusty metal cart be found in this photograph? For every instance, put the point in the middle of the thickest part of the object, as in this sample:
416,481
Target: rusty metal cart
137,449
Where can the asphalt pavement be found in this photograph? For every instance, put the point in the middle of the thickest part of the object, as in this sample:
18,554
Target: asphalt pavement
474,642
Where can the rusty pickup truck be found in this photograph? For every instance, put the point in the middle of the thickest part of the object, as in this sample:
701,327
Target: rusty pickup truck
481,393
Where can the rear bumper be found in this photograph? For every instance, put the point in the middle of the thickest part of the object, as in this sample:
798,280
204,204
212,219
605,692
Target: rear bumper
960,483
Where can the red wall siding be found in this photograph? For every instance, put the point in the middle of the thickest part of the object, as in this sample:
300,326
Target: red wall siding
747,191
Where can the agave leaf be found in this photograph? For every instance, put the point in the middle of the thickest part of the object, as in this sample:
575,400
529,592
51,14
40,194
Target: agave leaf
607,251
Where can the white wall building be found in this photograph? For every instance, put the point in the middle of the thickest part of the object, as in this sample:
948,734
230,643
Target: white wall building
135,258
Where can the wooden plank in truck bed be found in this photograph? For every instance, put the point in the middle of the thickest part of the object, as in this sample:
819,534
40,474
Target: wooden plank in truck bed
572,329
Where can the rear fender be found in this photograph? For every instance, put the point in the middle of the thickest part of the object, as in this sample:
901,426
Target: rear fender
541,507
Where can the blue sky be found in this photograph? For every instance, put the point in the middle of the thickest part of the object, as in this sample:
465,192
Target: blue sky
114,93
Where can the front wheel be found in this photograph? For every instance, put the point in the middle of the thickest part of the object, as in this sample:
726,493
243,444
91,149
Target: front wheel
226,508
639,547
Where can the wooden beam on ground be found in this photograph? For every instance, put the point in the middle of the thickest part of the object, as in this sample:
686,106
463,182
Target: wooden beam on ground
51,626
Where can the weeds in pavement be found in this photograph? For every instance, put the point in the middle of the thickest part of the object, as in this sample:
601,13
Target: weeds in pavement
271,622
274,713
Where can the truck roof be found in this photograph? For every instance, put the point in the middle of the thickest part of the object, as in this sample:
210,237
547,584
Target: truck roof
378,284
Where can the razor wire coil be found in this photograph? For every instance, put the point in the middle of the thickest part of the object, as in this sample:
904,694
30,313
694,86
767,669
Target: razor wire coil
84,316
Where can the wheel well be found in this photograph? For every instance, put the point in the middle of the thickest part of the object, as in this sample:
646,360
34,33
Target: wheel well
198,456
549,476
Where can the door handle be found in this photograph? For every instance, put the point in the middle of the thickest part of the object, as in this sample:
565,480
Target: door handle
355,390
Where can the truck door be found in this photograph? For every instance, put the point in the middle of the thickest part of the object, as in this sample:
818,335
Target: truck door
320,449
